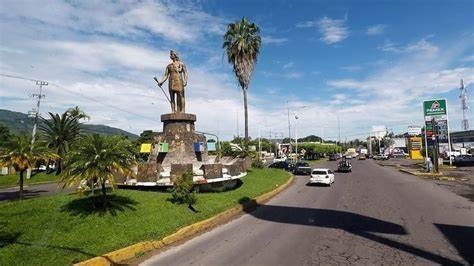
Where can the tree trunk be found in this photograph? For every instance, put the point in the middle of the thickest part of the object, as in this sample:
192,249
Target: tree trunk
104,193
246,114
58,166
21,184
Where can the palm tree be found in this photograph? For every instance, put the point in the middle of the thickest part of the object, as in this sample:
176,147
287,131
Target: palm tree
98,159
77,113
19,154
60,132
242,43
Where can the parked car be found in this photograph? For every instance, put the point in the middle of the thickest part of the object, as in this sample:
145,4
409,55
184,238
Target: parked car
380,157
344,166
464,160
301,168
280,165
321,176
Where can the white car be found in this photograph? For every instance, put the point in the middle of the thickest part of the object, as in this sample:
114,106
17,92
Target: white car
322,176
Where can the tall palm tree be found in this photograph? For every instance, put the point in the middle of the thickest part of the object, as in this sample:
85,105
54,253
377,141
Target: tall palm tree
77,113
242,43
19,154
60,132
98,159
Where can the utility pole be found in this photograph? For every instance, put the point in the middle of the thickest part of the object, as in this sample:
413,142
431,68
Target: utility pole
434,124
464,107
36,111
289,123
296,136
339,129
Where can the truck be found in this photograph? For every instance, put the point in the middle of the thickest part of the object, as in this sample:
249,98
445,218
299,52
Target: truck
363,151
351,153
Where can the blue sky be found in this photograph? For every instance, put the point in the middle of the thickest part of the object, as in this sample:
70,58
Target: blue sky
370,63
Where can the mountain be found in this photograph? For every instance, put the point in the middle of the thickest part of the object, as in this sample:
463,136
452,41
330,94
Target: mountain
20,123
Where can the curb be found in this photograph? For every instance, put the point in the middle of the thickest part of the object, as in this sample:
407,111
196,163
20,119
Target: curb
438,176
130,252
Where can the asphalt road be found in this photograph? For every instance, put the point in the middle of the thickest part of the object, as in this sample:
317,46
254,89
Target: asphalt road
374,215
32,191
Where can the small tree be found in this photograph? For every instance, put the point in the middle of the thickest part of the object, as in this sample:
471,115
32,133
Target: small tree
182,192
98,159
19,154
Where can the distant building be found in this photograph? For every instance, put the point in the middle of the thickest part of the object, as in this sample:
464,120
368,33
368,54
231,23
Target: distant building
462,139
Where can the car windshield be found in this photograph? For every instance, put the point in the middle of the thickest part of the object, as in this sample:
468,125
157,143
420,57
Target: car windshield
319,172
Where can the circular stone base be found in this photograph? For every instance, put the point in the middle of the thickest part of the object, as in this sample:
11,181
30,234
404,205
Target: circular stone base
178,117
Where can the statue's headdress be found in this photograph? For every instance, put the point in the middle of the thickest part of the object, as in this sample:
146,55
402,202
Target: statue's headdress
174,54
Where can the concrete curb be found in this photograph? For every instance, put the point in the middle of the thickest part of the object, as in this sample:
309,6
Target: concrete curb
438,176
130,252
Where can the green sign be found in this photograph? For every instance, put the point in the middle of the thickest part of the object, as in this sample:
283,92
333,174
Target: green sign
434,107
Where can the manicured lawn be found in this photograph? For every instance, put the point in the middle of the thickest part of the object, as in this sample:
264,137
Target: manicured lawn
12,180
62,229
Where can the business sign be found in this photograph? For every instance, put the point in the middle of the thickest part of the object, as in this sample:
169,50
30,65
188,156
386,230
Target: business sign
414,130
435,107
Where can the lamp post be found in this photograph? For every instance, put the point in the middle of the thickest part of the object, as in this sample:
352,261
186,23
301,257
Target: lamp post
296,136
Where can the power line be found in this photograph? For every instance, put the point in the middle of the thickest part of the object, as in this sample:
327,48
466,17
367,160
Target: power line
80,94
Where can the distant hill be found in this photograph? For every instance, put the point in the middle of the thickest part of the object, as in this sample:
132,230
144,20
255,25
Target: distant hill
19,123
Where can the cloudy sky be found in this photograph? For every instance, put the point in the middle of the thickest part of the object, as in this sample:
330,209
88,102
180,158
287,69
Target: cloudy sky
370,63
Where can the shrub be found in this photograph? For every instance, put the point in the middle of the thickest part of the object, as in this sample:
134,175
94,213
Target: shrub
182,192
256,163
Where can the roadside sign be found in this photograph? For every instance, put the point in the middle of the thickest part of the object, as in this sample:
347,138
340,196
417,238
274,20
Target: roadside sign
437,110
435,107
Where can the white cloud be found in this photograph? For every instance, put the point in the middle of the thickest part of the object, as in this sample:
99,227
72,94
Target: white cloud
175,22
422,45
273,40
376,29
288,65
332,30
351,68
469,58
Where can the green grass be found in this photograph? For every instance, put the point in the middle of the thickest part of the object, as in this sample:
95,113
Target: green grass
61,229
12,180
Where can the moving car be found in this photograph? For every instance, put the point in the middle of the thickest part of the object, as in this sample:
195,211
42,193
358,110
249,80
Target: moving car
362,156
301,168
280,165
380,157
321,176
344,166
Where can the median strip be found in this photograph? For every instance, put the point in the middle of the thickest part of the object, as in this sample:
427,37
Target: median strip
184,233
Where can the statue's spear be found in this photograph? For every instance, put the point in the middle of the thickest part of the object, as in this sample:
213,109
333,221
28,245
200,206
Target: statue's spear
166,95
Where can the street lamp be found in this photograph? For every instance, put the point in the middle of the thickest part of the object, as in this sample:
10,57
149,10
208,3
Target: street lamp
296,136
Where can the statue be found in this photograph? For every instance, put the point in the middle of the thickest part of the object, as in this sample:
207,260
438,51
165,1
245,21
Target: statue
177,79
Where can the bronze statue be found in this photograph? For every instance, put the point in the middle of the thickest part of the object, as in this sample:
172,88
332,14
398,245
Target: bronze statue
177,79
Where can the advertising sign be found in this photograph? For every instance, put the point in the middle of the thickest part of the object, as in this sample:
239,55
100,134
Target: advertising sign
435,107
414,130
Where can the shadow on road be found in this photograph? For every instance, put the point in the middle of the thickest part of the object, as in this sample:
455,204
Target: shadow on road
15,194
94,205
461,237
360,225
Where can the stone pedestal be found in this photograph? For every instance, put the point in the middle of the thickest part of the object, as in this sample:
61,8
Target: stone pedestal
212,171
178,132
178,170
